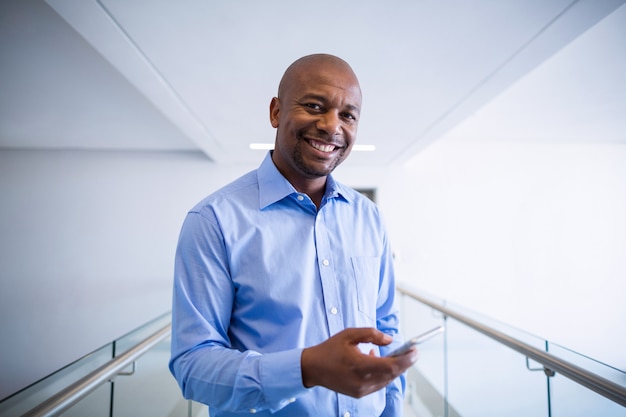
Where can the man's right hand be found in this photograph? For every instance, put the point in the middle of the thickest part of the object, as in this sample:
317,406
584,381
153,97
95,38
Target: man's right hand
339,365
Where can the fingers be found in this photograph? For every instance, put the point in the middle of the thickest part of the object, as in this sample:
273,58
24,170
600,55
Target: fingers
366,335
407,359
373,373
339,365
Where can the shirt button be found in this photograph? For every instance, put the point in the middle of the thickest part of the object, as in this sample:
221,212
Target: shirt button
300,197
253,410
334,310
346,414
292,400
325,262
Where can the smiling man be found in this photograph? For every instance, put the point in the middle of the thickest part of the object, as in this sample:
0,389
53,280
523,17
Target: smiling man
284,285
316,115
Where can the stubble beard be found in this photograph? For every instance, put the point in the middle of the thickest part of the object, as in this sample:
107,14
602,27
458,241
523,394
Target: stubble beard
308,170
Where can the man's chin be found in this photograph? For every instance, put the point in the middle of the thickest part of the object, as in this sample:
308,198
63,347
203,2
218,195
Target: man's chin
312,175
313,167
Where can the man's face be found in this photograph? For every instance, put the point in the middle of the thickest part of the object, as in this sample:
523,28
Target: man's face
316,117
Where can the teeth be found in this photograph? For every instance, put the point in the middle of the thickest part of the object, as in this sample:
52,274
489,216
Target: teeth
323,148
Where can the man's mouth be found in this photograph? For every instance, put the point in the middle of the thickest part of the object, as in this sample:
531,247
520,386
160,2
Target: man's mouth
322,147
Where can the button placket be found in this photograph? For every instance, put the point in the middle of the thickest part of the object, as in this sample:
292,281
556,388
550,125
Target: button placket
330,288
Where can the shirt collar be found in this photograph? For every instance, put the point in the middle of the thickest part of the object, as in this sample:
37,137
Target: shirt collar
274,187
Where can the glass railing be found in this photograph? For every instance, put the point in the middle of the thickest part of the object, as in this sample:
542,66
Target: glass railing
493,371
481,368
143,387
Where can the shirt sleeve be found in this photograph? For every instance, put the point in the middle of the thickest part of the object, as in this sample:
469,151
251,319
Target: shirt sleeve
205,366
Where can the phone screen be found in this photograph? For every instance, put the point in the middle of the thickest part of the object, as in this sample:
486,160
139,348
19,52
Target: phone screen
417,340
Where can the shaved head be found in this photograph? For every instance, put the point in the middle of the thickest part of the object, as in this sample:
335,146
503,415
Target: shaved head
313,64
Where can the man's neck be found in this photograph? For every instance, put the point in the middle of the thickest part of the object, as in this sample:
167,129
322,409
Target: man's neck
314,188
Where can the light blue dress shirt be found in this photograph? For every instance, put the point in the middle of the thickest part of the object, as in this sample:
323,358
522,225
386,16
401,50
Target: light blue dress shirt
261,274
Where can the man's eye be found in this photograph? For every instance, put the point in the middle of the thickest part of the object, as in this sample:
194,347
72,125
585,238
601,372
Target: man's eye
349,116
313,106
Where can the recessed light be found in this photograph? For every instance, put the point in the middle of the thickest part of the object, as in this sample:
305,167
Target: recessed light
270,146
261,146
364,148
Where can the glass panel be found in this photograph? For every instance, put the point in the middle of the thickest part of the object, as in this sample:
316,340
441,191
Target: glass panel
510,331
151,390
425,391
32,396
197,409
486,378
161,388
135,337
96,404
571,399
479,376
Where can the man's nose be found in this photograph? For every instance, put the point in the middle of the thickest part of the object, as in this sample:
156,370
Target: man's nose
330,122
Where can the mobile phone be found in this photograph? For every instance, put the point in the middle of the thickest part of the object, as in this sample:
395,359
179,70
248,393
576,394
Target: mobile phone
417,340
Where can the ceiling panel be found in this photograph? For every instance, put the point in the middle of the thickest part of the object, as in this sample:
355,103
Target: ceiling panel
577,96
57,91
208,69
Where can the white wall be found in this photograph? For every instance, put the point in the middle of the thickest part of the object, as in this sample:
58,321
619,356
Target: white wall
532,234
87,243
520,211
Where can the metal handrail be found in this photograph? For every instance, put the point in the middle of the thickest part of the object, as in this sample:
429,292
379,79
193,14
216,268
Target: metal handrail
590,380
75,392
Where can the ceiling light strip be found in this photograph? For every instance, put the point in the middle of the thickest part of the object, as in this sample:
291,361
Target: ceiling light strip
270,146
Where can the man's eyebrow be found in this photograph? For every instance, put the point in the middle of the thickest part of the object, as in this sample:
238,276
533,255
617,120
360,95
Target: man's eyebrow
354,108
314,97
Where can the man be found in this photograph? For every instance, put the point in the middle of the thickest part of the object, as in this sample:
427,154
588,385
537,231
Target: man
284,285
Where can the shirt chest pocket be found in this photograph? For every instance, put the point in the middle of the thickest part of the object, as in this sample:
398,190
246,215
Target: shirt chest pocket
366,271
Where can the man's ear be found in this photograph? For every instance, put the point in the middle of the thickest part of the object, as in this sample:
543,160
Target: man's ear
274,110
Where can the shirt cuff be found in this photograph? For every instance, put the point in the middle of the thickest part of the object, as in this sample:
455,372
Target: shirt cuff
281,378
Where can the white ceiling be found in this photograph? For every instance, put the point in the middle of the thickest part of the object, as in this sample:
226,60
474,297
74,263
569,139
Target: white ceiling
199,74
576,96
